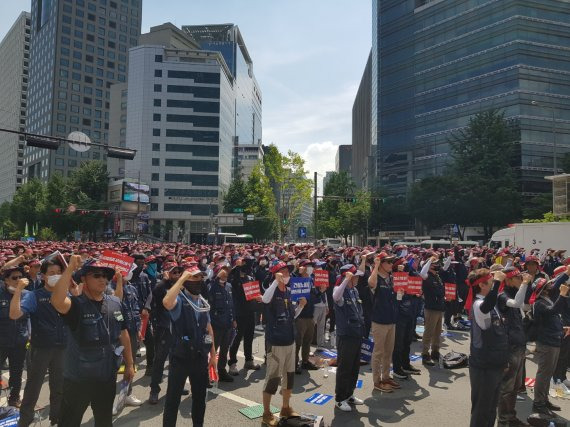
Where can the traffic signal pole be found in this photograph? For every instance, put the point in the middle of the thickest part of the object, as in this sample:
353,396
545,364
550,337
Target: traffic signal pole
315,207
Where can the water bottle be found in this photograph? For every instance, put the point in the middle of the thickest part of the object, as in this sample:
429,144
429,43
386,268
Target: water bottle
551,424
325,368
333,339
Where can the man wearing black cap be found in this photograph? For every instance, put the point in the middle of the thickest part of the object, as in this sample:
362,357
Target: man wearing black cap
434,297
98,337
304,323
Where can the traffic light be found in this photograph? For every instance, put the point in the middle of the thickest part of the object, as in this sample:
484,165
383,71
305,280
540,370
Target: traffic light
58,210
84,212
42,142
120,153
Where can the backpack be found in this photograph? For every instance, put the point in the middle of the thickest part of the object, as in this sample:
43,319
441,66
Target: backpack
454,360
530,326
304,420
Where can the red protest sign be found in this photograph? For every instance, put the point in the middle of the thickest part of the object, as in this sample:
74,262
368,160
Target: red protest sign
321,278
450,291
400,281
414,285
251,290
117,261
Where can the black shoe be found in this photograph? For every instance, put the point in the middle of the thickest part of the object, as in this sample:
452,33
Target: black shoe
225,377
148,372
411,370
417,336
310,366
400,374
435,356
543,409
153,398
185,392
552,406
426,360
298,369
14,402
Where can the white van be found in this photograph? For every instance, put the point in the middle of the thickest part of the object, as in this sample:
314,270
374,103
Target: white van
331,243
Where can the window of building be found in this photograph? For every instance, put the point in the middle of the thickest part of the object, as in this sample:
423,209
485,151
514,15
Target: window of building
158,88
157,58
156,132
157,102
157,73
155,162
156,117
155,147
154,177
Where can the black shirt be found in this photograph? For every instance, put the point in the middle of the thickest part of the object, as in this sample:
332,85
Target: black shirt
72,317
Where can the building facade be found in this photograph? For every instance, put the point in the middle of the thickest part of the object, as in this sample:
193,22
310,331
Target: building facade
343,159
363,162
247,157
78,50
15,54
437,63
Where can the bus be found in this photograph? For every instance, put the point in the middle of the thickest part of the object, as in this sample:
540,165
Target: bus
229,238
446,244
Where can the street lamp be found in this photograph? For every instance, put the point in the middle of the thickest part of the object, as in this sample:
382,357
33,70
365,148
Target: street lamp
554,154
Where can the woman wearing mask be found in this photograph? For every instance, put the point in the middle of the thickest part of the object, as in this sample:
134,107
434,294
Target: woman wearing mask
49,338
193,342
549,336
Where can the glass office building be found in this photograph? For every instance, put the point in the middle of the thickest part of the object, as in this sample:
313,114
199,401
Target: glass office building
78,49
436,63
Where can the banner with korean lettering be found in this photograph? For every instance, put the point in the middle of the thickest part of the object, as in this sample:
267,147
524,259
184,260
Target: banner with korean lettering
117,261
450,294
300,288
414,285
366,349
321,278
251,290
400,281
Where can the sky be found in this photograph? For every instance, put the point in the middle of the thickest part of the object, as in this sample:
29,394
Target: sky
308,58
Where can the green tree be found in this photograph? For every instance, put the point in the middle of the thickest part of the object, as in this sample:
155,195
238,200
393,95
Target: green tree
235,197
28,204
538,206
47,234
260,202
57,197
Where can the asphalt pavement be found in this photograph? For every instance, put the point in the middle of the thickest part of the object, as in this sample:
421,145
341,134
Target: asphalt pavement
437,397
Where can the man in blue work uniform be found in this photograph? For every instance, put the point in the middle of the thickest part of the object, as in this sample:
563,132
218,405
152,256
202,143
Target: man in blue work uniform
193,342
49,338
222,317
13,333
98,337
350,331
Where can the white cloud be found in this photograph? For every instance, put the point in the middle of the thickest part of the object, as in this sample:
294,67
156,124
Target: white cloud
320,157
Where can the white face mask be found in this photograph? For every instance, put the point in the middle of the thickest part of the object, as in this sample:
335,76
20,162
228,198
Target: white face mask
256,254
11,288
204,261
286,280
309,270
52,280
263,263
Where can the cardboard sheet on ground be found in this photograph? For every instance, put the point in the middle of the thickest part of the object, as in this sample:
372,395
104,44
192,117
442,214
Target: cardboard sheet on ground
253,412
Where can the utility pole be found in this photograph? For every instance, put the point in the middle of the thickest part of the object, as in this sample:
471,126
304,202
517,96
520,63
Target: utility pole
315,207
138,207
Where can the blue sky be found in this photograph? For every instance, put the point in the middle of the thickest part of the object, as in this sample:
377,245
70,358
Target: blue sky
308,58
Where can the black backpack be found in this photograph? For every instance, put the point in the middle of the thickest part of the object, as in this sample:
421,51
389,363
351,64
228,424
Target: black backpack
455,360
302,421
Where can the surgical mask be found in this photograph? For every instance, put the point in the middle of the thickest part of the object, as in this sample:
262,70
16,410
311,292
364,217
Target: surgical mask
193,287
256,254
52,280
309,270
263,263
11,288
204,261
357,259
286,280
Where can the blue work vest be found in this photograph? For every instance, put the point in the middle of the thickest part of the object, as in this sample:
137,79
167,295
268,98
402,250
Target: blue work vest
12,332
384,303
349,316
280,316
91,353
189,333
221,304
489,347
48,327
131,308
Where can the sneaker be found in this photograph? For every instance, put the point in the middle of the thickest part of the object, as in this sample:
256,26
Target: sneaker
566,383
185,392
355,401
309,366
383,387
234,370
400,374
225,377
288,413
564,390
132,400
426,360
343,406
410,370
250,364
269,420
393,383
520,398
552,389
153,398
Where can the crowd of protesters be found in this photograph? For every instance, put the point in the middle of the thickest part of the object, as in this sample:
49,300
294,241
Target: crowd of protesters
82,321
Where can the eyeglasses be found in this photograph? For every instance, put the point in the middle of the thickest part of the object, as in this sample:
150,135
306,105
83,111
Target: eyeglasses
16,278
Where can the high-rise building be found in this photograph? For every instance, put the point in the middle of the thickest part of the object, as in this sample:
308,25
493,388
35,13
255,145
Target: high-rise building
78,50
437,63
363,162
181,105
247,158
15,57
343,159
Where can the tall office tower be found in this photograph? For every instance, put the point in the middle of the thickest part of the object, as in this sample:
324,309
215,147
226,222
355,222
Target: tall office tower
343,159
363,163
78,49
15,54
227,39
437,63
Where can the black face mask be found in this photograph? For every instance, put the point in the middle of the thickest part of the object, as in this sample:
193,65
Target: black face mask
193,287
435,268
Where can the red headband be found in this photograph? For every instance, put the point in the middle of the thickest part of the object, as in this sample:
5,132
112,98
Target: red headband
513,273
480,280
469,300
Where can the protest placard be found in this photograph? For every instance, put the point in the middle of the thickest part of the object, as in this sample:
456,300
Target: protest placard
251,290
450,291
300,288
400,281
414,285
321,278
117,261
366,349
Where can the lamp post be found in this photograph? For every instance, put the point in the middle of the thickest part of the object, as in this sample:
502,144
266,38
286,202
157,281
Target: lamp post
554,151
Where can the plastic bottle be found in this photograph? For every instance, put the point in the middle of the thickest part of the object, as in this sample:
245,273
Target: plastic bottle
333,339
325,368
